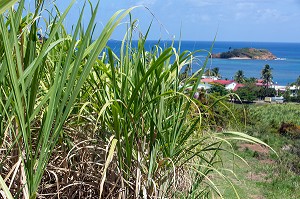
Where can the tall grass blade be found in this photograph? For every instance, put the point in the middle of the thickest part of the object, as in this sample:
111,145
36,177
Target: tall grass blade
5,188
6,4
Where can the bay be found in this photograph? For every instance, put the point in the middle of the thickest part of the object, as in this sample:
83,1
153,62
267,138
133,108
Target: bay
284,71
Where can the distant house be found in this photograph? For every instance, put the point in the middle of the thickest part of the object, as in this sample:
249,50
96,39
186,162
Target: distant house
260,82
234,86
229,84
223,82
204,86
207,80
210,77
200,86
278,87
294,90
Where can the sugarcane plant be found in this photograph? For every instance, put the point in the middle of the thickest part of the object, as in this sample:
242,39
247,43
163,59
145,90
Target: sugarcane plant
34,104
131,105
138,98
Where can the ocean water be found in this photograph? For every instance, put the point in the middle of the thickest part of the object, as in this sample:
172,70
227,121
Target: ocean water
284,71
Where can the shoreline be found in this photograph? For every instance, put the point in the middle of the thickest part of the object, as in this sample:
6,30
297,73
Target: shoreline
240,58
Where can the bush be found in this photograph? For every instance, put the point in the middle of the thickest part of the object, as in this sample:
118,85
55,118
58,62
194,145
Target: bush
247,93
266,92
218,89
290,129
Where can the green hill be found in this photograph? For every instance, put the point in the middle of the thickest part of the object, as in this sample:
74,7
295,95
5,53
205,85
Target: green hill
246,53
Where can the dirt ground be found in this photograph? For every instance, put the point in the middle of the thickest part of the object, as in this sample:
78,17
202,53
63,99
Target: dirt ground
255,147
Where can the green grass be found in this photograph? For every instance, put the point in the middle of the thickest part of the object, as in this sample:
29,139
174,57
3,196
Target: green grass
279,179
272,115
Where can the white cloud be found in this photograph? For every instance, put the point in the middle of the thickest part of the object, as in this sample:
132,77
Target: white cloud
201,3
205,18
271,15
146,2
245,5
240,15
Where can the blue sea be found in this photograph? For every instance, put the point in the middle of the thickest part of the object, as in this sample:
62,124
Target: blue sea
284,71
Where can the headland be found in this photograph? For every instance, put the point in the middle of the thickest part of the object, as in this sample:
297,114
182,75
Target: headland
246,53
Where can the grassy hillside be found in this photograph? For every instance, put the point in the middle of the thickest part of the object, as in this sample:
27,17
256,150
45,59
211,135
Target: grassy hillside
268,175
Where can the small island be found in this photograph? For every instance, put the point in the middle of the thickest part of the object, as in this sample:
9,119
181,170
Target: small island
246,53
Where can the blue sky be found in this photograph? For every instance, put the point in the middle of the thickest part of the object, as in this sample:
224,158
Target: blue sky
231,20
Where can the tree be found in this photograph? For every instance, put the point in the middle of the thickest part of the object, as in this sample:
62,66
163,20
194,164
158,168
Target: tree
287,95
186,72
249,92
239,76
207,72
213,72
298,81
266,75
246,94
250,80
216,71
188,69
266,92
218,89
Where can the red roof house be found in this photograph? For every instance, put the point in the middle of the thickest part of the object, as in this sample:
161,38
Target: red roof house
207,80
223,82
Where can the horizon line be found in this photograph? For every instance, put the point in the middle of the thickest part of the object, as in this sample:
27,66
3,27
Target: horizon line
295,42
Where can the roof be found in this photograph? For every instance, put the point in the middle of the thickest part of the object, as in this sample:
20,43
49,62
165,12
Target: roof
237,86
259,81
207,80
260,84
223,82
204,86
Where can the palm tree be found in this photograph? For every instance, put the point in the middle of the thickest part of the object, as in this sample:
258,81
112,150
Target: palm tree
215,71
186,73
298,81
208,72
266,75
239,76
188,69
251,80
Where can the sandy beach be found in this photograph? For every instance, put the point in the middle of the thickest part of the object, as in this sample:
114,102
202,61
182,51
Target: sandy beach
239,58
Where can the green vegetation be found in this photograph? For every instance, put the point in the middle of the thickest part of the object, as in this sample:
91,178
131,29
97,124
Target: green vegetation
76,120
265,175
297,83
78,125
270,117
295,96
265,122
251,92
247,93
250,53
266,75
218,89
239,77
213,72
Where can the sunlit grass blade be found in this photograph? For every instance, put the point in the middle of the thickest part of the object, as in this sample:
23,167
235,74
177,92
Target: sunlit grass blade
5,188
6,4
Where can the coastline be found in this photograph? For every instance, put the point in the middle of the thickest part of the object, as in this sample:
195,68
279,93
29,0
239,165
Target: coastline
240,58
284,72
